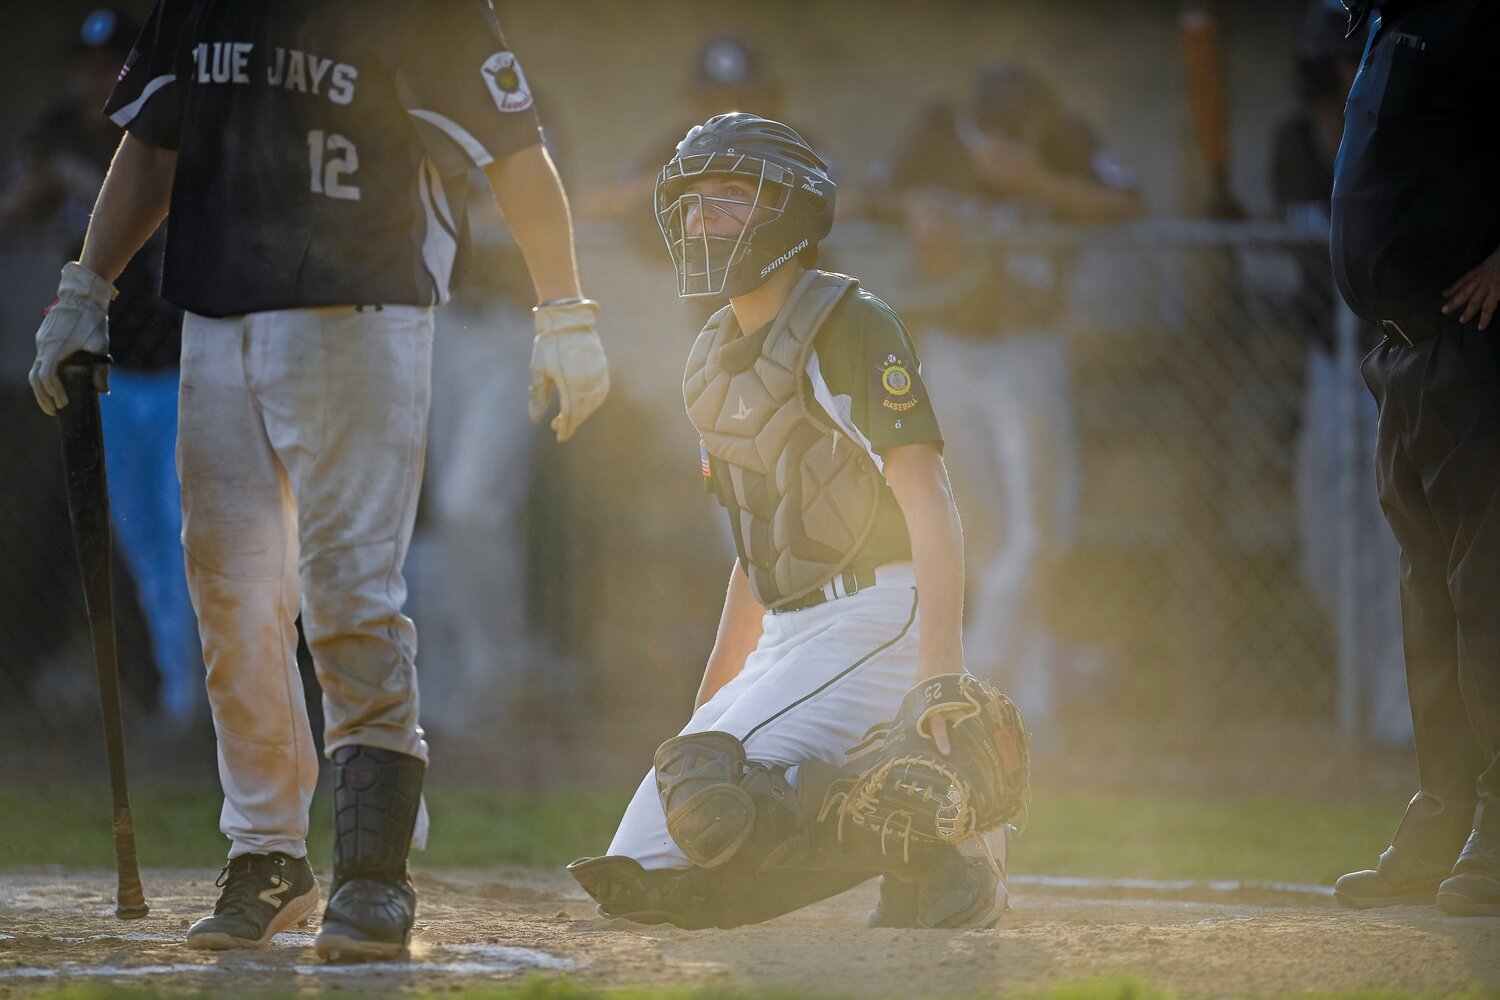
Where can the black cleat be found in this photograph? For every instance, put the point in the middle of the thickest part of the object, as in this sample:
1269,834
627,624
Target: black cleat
1473,890
935,898
960,891
263,895
1397,880
367,919
624,890
896,906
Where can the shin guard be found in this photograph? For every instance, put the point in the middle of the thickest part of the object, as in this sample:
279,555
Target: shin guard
376,797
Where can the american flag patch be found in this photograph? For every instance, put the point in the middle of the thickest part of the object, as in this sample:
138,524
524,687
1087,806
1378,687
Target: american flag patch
703,462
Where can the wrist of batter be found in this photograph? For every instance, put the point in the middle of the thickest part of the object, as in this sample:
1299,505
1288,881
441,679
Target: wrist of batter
554,318
81,284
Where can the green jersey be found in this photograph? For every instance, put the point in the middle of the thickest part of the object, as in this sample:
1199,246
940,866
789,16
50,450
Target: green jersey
865,380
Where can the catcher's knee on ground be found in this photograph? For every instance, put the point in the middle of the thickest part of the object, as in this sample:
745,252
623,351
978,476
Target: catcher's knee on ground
723,810
721,807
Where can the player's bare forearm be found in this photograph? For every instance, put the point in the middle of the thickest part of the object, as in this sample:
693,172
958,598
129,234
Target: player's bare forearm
920,483
134,199
739,632
1080,200
531,197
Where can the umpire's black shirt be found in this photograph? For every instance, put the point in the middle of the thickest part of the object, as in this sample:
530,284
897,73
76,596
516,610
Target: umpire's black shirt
1416,196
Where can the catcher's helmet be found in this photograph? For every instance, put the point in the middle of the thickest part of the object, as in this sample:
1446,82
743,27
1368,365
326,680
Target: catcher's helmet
792,210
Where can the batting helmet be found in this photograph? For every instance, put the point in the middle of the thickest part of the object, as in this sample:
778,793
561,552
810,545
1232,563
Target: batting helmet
791,212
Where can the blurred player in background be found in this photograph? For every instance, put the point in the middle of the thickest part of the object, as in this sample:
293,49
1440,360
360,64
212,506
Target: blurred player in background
470,548
820,442
728,73
313,159
66,153
1416,249
986,321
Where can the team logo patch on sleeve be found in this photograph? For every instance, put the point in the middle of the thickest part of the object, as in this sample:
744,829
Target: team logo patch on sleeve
502,73
703,461
897,384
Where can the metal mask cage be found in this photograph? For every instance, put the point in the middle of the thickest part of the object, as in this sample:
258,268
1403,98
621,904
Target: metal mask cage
704,260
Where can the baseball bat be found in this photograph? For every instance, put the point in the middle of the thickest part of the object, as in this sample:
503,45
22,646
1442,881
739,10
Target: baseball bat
84,376
1203,59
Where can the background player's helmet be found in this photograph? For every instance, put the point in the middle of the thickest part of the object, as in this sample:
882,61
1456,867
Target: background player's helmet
1011,100
729,73
792,210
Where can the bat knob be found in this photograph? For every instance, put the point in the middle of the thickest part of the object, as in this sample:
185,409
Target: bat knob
132,912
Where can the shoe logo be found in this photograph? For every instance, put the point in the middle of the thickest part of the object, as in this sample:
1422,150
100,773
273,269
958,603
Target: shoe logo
273,895
743,413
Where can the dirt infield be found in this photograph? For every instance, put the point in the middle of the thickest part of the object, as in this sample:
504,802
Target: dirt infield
497,926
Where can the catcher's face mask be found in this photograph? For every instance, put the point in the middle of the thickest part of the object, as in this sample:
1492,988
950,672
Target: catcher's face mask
715,211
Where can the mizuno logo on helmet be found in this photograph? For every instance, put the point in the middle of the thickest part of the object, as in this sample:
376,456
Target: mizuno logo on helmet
811,184
794,251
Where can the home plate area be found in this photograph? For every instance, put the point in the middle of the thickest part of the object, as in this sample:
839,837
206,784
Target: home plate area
497,926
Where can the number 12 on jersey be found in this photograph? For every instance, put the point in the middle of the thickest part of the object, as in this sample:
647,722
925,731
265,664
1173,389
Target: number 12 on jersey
331,156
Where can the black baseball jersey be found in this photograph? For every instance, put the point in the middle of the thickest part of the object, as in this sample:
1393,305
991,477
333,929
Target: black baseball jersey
323,145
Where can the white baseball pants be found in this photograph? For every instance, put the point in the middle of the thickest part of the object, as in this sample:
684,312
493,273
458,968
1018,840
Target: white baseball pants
300,447
816,682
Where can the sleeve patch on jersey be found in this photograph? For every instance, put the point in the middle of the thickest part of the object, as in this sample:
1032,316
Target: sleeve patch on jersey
897,384
703,462
502,73
896,380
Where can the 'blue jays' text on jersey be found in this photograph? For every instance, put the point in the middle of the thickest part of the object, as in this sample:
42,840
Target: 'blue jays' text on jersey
323,145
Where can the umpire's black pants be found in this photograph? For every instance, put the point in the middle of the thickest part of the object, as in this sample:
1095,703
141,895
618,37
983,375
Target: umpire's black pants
1438,470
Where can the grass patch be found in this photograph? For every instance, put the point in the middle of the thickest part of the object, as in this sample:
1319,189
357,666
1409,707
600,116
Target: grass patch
1067,834
1271,839
177,826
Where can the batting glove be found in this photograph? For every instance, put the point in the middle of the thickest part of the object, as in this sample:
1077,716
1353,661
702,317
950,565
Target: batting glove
77,321
567,354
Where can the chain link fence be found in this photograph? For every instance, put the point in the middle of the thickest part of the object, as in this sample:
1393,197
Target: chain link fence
1155,536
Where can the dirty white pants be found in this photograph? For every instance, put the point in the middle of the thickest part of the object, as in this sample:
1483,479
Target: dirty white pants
300,445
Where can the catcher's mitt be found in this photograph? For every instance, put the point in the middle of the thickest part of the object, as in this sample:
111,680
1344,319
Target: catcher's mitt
913,791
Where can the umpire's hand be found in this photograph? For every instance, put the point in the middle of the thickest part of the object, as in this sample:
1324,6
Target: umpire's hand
1477,292
568,354
77,321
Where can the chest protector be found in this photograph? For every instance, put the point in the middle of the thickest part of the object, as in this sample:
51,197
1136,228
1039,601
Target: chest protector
804,497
